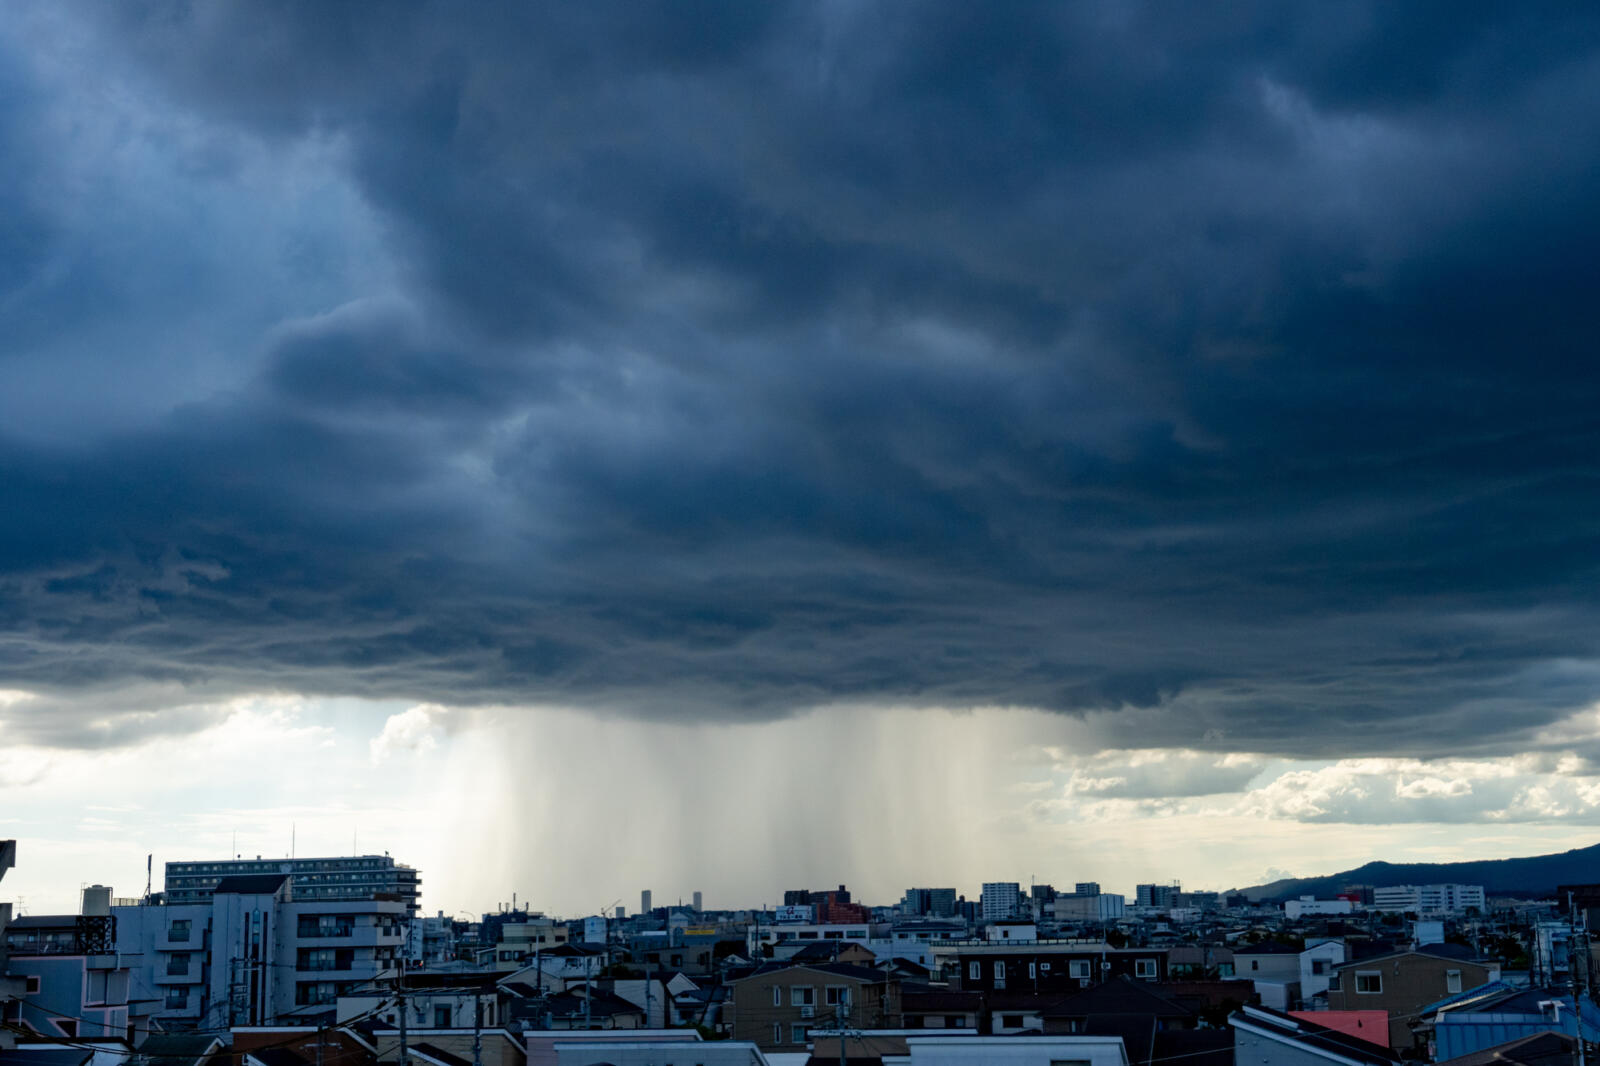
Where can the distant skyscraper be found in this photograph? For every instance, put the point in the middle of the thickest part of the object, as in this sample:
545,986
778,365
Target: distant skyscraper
621,913
697,901
1000,900
1087,888
1156,895
644,902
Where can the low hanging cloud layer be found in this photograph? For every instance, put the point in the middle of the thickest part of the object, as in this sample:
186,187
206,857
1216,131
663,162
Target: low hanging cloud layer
1223,375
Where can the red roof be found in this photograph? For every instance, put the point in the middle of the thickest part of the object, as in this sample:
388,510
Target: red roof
1369,1025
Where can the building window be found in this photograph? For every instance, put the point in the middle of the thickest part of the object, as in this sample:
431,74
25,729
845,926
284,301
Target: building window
178,964
1333,983
834,995
177,998
30,985
1078,968
1255,964
1011,1021
797,1033
975,970
802,996
1452,980
777,1032
1145,969
777,996
1319,966
178,930
1369,983
1033,970
68,1027
441,1016
955,1021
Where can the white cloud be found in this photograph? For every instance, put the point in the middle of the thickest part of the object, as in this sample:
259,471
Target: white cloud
414,730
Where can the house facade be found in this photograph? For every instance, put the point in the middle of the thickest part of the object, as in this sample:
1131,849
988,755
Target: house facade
776,1006
1402,983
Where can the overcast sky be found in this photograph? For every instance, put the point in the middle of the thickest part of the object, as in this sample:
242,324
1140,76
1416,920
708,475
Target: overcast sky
729,446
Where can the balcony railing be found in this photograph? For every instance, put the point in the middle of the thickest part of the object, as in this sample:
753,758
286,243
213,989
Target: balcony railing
317,932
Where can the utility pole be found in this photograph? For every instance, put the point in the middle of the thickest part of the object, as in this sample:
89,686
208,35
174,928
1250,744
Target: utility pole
648,1018
405,1049
588,993
844,1015
477,1029
1572,964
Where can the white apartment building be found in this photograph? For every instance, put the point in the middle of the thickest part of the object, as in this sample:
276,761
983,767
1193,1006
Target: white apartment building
1428,899
254,955
1099,907
1000,900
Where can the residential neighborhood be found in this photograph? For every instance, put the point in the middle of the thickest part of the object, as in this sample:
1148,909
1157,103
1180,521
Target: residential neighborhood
334,960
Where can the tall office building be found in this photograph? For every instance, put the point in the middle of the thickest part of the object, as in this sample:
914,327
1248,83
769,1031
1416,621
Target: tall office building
1000,900
341,879
697,900
644,902
1156,895
929,902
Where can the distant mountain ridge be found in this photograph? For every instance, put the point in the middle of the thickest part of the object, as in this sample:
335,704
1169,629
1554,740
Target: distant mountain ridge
1534,877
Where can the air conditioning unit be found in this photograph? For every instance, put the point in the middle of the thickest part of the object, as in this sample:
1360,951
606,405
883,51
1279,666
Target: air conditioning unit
1083,982
808,1012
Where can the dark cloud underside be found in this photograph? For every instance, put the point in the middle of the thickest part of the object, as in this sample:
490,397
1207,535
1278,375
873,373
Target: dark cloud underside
737,358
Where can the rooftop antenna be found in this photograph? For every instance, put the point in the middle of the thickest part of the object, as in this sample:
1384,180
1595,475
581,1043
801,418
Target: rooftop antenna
149,872
291,839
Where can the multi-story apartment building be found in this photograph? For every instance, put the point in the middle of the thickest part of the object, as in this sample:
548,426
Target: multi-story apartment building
1402,983
520,941
779,1004
255,954
1428,899
1041,966
67,979
1081,907
1000,900
337,879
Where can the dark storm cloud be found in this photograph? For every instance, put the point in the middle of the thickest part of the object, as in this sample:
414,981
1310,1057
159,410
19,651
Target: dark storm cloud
1231,371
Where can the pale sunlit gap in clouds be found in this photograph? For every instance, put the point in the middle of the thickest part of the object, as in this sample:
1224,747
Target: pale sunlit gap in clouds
564,808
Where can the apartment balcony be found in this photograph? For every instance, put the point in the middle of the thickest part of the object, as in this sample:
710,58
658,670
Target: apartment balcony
361,936
195,976
324,967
